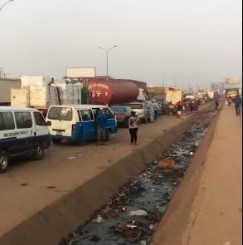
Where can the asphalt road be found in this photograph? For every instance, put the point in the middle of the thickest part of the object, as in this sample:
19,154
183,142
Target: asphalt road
29,186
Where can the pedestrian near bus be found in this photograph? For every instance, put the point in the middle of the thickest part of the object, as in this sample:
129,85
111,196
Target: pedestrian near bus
133,127
101,121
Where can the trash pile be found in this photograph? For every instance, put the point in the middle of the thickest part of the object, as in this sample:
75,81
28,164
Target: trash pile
132,216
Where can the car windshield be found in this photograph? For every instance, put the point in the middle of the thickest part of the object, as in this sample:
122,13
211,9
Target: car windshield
118,109
60,113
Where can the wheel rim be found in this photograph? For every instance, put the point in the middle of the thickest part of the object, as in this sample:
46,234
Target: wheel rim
39,150
3,162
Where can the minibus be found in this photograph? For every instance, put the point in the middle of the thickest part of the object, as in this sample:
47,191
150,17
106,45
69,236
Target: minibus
22,131
77,122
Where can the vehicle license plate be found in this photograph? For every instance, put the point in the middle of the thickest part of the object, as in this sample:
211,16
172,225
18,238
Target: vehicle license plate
59,133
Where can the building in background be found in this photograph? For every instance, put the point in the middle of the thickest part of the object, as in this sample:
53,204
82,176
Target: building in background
168,94
79,73
232,87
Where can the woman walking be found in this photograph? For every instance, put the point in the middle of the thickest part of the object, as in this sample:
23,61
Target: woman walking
133,127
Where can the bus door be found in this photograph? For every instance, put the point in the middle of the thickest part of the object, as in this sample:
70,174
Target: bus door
88,128
111,120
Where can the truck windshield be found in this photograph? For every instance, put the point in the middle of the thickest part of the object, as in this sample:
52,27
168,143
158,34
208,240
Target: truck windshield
60,113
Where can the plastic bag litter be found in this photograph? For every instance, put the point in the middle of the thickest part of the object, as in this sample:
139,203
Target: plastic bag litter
138,212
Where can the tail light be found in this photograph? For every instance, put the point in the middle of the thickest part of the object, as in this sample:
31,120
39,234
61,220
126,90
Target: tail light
120,116
73,127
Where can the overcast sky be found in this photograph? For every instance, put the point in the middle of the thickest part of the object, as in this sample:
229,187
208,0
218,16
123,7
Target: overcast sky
175,42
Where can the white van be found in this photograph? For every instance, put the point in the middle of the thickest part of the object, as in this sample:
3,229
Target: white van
22,131
77,122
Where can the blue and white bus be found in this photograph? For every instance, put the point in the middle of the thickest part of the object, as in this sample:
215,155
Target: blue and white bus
77,122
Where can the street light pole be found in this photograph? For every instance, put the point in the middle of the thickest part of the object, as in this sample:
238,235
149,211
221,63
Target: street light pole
1,7
107,58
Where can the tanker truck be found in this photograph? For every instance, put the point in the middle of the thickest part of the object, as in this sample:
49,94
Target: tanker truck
112,91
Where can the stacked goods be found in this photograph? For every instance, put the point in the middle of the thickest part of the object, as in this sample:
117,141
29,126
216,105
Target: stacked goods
54,95
38,87
70,94
39,96
20,97
40,92
27,81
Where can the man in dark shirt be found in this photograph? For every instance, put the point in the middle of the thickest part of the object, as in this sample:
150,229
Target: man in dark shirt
101,121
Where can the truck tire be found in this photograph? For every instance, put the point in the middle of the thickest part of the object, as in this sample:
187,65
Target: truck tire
38,152
4,161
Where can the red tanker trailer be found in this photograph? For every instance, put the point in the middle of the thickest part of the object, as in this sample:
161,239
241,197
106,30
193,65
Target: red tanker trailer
112,91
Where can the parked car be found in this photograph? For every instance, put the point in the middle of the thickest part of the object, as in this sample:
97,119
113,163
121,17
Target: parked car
23,131
141,109
122,113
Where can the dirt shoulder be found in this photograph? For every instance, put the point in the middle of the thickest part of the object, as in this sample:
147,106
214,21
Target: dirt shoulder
207,208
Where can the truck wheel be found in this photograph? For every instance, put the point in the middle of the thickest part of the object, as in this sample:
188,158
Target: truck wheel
56,141
4,161
38,153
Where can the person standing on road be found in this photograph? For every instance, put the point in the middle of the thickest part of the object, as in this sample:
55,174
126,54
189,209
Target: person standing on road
101,121
133,127
179,108
238,104
191,105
